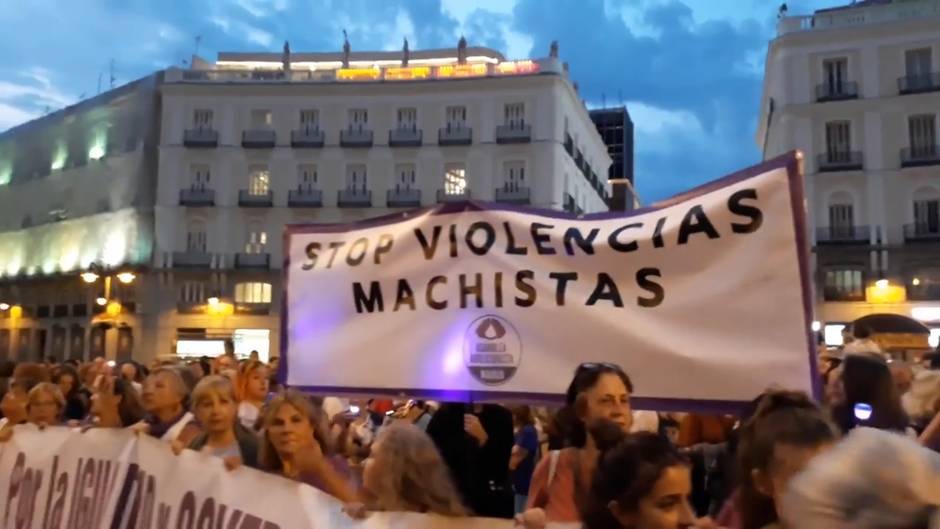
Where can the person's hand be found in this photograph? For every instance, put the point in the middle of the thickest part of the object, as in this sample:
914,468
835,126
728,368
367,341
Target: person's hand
307,460
473,426
177,447
232,463
356,511
104,403
532,519
6,433
140,428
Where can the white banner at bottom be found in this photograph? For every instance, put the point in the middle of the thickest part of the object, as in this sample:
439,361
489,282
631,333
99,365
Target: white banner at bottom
111,479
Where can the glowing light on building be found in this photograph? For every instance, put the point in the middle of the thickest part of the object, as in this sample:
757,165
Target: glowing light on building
461,70
99,145
6,172
115,247
358,74
926,313
59,156
405,74
113,309
516,68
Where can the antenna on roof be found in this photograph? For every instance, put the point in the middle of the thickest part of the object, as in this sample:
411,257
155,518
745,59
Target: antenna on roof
111,73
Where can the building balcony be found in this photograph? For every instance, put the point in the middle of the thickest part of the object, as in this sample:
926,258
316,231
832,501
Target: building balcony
918,84
204,138
520,196
197,197
354,198
304,198
307,138
843,235
840,161
247,199
836,91
448,135
403,198
443,196
920,156
261,261
514,133
192,259
259,139
405,138
922,232
355,138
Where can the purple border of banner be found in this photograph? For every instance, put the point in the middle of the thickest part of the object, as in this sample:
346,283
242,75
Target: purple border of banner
791,161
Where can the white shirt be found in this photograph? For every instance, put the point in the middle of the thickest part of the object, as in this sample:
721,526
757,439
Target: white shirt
248,414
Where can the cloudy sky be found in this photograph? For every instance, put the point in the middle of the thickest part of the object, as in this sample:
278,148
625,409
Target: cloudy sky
689,71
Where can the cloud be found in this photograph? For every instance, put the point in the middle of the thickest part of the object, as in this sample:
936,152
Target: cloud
11,116
251,33
262,8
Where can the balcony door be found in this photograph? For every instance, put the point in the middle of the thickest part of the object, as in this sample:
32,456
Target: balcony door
514,115
838,142
927,216
836,73
358,119
356,179
199,177
513,176
202,119
404,177
456,118
307,177
841,221
196,238
918,62
923,135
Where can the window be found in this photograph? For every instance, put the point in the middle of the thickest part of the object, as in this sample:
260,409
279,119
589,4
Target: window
253,293
408,119
841,221
257,240
513,175
199,177
456,117
404,177
844,285
918,63
455,179
202,119
835,72
196,237
923,135
924,284
193,292
838,142
259,180
356,178
309,120
358,119
927,216
514,115
306,177
260,119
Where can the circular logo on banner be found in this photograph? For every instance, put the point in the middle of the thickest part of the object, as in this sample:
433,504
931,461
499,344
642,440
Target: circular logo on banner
492,350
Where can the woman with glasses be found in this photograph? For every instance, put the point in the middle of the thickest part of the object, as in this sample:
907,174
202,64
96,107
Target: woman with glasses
598,393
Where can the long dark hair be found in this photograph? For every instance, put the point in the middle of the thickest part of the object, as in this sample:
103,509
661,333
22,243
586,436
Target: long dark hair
867,380
782,417
585,378
130,409
67,370
626,472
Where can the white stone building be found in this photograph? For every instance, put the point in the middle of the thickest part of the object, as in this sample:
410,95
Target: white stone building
857,90
252,142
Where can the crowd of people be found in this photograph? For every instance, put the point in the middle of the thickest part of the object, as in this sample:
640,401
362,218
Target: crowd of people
782,462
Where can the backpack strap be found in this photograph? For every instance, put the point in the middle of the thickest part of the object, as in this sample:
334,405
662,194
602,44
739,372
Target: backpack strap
552,466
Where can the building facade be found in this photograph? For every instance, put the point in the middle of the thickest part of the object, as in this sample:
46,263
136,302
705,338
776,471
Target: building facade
616,129
77,190
258,141
857,90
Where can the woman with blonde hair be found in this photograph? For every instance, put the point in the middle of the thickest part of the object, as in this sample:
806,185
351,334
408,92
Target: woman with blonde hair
296,445
251,389
45,404
406,473
224,437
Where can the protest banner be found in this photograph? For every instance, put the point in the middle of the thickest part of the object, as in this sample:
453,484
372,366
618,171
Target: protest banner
704,299
112,479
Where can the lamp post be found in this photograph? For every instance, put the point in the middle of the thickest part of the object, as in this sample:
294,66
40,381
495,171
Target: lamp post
112,307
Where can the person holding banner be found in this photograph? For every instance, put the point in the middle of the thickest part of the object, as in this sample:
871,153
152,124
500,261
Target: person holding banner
223,436
597,392
167,419
296,445
45,405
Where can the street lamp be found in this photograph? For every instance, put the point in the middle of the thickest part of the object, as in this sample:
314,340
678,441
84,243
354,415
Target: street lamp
89,277
95,272
4,306
126,277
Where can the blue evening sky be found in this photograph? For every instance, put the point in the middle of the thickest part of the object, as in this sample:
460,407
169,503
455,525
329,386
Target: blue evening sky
689,71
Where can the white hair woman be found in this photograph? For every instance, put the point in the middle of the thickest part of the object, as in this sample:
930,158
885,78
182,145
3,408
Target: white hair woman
406,473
